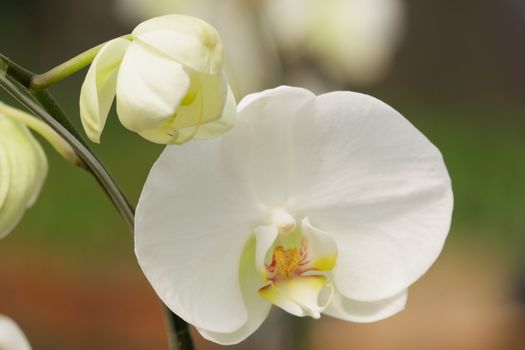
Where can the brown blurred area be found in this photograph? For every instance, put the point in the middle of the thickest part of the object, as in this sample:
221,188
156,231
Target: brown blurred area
463,303
68,275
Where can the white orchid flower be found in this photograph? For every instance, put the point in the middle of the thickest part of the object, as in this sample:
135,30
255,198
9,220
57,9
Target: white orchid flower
11,336
332,204
168,81
23,169
353,39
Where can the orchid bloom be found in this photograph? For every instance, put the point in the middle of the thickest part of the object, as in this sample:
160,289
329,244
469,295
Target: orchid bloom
352,39
23,169
332,204
168,81
11,336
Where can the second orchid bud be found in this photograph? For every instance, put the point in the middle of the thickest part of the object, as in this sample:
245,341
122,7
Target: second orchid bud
168,81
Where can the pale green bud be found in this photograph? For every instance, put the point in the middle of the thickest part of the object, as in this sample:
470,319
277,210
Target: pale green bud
167,79
23,164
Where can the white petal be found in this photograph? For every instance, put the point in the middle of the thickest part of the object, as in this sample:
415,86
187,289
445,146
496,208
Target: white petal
193,219
98,89
257,308
322,250
372,181
161,135
265,237
150,87
5,173
269,114
188,40
224,123
211,91
362,311
41,168
207,115
11,336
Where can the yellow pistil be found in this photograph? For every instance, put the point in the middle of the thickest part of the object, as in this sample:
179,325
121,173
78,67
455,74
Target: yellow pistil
287,261
298,266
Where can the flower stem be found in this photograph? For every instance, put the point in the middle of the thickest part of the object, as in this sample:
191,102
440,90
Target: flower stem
180,337
64,70
51,113
23,77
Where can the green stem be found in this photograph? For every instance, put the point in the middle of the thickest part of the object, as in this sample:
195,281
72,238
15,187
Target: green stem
180,337
66,69
47,101
23,77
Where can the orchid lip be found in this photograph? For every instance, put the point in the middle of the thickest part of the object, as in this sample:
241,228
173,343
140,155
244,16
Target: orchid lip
296,275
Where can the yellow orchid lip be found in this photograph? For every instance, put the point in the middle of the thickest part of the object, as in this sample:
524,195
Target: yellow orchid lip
300,295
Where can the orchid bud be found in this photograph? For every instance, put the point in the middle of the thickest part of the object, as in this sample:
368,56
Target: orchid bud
23,168
23,164
168,81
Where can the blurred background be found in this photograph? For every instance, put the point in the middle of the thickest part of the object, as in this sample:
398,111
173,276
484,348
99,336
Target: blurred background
455,69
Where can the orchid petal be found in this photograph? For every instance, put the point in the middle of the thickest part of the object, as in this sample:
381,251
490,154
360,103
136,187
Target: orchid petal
150,88
194,216
207,115
208,104
265,237
41,168
269,114
322,250
298,296
5,172
381,190
11,336
257,308
224,123
27,168
363,311
98,89
188,40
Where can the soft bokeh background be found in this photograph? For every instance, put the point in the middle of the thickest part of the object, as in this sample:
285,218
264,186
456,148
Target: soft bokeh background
454,68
